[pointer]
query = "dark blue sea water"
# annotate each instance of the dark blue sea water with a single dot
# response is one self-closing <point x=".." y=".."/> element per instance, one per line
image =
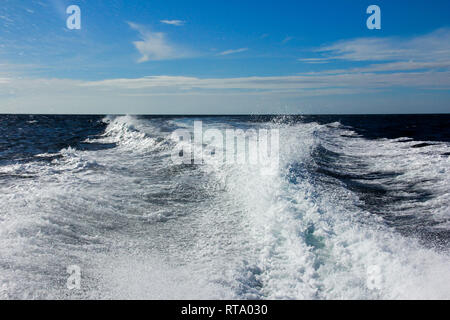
<point x="348" y="194"/>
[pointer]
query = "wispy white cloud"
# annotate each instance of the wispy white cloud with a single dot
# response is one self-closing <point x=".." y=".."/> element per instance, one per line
<point x="177" y="23"/>
<point x="314" y="60"/>
<point x="427" y="52"/>
<point x="155" y="46"/>
<point x="434" y="46"/>
<point x="391" y="67"/>
<point x="356" y="82"/>
<point x="177" y="94"/>
<point x="232" y="51"/>
<point x="287" y="39"/>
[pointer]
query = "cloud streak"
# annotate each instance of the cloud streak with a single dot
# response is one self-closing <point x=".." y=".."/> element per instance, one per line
<point x="177" y="23"/>
<point x="351" y="82"/>
<point x="314" y="60"/>
<point x="232" y="51"/>
<point x="187" y="95"/>
<point x="287" y="39"/>
<point x="434" y="46"/>
<point x="426" y="53"/>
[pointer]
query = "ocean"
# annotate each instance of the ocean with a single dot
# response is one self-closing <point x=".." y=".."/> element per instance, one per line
<point x="356" y="208"/>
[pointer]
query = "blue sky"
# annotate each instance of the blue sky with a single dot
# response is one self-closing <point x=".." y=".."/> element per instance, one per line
<point x="224" y="57"/>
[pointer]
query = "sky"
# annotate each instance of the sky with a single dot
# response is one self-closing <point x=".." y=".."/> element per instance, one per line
<point x="224" y="57"/>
